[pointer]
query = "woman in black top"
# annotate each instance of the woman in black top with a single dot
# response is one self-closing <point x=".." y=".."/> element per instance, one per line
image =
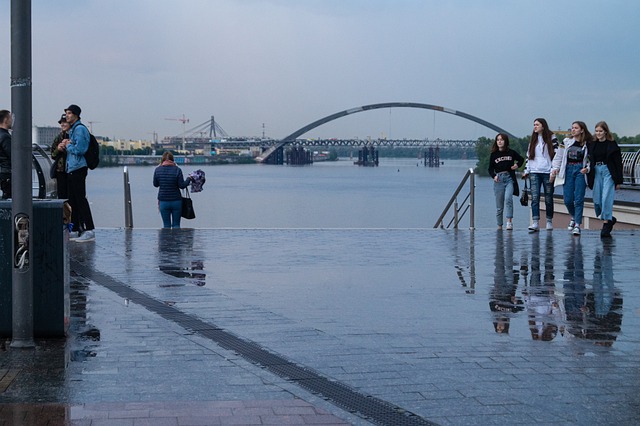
<point x="605" y="175"/>
<point x="503" y="164"/>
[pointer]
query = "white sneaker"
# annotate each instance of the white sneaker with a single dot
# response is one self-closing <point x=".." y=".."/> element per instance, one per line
<point x="86" y="236"/>
<point x="534" y="226"/>
<point x="549" y="225"/>
<point x="509" y="226"/>
<point x="572" y="224"/>
<point x="576" y="230"/>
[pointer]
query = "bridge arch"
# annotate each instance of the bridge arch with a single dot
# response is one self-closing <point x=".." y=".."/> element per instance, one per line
<point x="293" y="136"/>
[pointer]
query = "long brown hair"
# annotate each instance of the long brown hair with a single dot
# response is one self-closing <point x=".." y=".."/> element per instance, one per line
<point x="607" y="133"/>
<point x="505" y="138"/>
<point x="168" y="155"/>
<point x="546" y="137"/>
<point x="586" y="136"/>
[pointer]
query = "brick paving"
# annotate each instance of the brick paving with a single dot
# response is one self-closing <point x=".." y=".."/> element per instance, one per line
<point x="398" y="316"/>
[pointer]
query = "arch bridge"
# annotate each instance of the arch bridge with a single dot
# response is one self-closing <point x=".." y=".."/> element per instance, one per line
<point x="266" y="156"/>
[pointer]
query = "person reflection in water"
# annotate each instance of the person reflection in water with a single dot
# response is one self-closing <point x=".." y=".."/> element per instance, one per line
<point x="503" y="300"/>
<point x="176" y="258"/>
<point x="601" y="317"/>
<point x="574" y="284"/>
<point x="544" y="310"/>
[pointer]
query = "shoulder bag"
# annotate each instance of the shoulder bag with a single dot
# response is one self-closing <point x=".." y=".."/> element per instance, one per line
<point x="524" y="197"/>
<point x="187" y="207"/>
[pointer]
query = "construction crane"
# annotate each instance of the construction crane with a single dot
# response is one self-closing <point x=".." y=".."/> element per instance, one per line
<point x="184" y="120"/>
<point x="91" y="125"/>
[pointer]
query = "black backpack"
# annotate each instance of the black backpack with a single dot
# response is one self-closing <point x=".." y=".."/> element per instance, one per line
<point x="92" y="156"/>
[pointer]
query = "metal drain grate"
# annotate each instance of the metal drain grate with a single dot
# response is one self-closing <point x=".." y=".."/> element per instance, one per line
<point x="373" y="409"/>
<point x="6" y="378"/>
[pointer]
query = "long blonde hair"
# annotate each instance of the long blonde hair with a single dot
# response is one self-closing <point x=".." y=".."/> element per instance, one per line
<point x="607" y="133"/>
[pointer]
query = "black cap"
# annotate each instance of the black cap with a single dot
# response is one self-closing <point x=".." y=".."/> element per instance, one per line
<point x="63" y="119"/>
<point x="75" y="109"/>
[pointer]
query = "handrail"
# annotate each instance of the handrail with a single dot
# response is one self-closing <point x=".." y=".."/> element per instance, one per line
<point x="470" y="175"/>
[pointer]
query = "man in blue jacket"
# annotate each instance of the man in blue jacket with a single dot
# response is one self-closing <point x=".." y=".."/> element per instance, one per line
<point x="76" y="146"/>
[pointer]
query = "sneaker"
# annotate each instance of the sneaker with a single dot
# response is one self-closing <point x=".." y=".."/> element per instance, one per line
<point x="509" y="226"/>
<point x="576" y="230"/>
<point x="534" y="226"/>
<point x="86" y="236"/>
<point x="549" y="225"/>
<point x="613" y="221"/>
<point x="572" y="224"/>
<point x="73" y="235"/>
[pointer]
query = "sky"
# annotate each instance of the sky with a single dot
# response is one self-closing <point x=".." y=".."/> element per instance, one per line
<point x="270" y="67"/>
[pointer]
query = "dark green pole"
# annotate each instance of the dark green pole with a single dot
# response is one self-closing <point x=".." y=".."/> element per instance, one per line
<point x="21" y="150"/>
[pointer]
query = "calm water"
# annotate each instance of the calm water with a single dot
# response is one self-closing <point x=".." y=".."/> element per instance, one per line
<point x="397" y="194"/>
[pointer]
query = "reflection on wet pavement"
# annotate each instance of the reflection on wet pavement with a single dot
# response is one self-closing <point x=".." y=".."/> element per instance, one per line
<point x="176" y="257"/>
<point x="400" y="315"/>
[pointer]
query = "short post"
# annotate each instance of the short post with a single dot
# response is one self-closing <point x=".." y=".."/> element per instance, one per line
<point x="128" y="208"/>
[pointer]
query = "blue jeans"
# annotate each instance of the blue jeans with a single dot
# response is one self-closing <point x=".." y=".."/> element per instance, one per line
<point x="503" y="190"/>
<point x="538" y="180"/>
<point x="575" y="184"/>
<point x="170" y="212"/>
<point x="603" y="191"/>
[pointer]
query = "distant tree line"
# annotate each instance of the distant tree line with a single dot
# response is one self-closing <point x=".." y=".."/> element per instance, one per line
<point x="454" y="153"/>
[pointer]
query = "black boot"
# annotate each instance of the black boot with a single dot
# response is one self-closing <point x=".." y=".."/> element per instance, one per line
<point x="606" y="229"/>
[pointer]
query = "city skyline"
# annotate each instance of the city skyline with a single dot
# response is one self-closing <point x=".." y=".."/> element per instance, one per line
<point x="273" y="66"/>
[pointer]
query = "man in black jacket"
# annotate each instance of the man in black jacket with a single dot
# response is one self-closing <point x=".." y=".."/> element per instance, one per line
<point x="6" y="121"/>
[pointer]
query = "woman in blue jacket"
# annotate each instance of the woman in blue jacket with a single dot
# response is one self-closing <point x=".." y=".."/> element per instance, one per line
<point x="168" y="178"/>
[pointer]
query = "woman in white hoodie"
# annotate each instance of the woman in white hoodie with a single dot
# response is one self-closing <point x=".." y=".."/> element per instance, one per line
<point x="542" y="148"/>
<point x="570" y="168"/>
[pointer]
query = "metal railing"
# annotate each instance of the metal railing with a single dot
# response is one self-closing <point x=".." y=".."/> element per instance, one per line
<point x="42" y="184"/>
<point x="459" y="210"/>
<point x="631" y="165"/>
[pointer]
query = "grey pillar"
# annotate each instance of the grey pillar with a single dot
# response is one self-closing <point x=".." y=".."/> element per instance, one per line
<point x="21" y="150"/>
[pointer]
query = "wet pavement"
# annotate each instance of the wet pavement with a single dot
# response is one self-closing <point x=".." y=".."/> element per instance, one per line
<point x="357" y="326"/>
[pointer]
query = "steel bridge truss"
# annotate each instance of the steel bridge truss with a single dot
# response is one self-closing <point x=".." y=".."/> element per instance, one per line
<point x="390" y="143"/>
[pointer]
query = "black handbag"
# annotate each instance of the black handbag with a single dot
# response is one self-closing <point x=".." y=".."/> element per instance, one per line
<point x="524" y="197"/>
<point x="187" y="207"/>
<point x="54" y="168"/>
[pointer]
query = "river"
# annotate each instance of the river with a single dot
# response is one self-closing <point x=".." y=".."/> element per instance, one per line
<point x="397" y="194"/>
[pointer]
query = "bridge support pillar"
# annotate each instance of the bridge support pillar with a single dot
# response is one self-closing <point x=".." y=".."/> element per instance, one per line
<point x="367" y="156"/>
<point x="432" y="157"/>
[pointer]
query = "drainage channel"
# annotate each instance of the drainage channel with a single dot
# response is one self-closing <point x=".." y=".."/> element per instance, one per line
<point x="371" y="408"/>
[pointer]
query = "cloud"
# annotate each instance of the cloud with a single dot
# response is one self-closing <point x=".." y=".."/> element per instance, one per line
<point x="287" y="63"/>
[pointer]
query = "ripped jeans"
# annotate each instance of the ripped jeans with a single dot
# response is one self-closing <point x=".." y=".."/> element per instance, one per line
<point x="539" y="181"/>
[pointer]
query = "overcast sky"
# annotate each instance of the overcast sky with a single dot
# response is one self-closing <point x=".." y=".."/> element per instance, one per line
<point x="132" y="64"/>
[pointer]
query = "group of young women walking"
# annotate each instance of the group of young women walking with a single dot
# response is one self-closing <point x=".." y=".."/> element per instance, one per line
<point x="579" y="161"/>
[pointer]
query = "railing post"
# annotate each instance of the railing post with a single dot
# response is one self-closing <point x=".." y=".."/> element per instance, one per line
<point x="455" y="214"/>
<point x="472" y="200"/>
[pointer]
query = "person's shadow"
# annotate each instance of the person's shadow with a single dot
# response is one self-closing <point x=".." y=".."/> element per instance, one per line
<point x="176" y="257"/>
<point x="503" y="301"/>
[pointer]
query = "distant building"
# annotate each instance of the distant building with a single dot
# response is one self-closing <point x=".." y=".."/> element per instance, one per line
<point x="44" y="135"/>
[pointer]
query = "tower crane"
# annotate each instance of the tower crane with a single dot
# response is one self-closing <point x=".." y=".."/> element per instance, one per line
<point x="91" y="125"/>
<point x="184" y="120"/>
